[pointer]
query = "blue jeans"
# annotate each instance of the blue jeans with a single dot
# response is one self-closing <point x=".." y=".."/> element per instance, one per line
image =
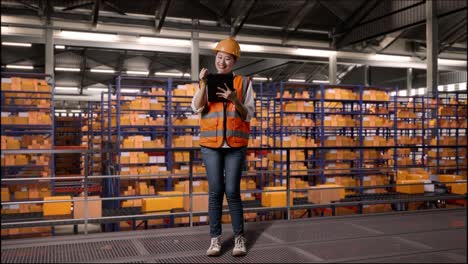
<point x="224" y="169"/>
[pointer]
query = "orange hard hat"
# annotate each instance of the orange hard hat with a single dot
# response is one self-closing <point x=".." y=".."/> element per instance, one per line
<point x="230" y="46"/>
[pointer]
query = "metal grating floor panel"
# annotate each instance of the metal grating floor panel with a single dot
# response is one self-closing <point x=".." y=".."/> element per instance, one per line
<point x="356" y="248"/>
<point x="411" y="224"/>
<point x="70" y="252"/>
<point x="445" y="239"/>
<point x="265" y="255"/>
<point x="421" y="236"/>
<point x="318" y="232"/>
<point x="436" y="257"/>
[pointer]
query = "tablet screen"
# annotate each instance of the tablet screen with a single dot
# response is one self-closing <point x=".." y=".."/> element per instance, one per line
<point x="218" y="80"/>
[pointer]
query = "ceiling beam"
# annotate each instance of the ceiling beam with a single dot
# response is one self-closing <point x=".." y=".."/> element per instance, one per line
<point x="83" y="69"/>
<point x="219" y="16"/>
<point x="160" y="15"/>
<point x="226" y="10"/>
<point x="403" y="16"/>
<point x="48" y="10"/>
<point x="68" y="8"/>
<point x="298" y="68"/>
<point x="239" y="22"/>
<point x="294" y="24"/>
<point x="260" y="66"/>
<point x="29" y="6"/>
<point x="120" y="63"/>
<point x="345" y="28"/>
<point x="458" y="37"/>
<point x="114" y="7"/>
<point x="317" y="69"/>
<point x="278" y="74"/>
<point x="95" y="14"/>
<point x="337" y="13"/>
<point x="389" y="39"/>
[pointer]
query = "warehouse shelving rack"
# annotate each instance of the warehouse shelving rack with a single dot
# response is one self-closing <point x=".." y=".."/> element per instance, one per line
<point x="282" y="131"/>
<point x="260" y="134"/>
<point x="68" y="133"/>
<point x="111" y="107"/>
<point x="17" y="102"/>
<point x="7" y="97"/>
<point x="414" y="106"/>
<point x="454" y="102"/>
<point x="91" y="137"/>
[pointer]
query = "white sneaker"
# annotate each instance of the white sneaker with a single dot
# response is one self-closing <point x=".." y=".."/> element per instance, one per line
<point x="215" y="247"/>
<point x="239" y="246"/>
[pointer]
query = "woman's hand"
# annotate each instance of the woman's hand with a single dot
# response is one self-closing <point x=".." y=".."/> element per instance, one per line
<point x="203" y="74"/>
<point x="227" y="94"/>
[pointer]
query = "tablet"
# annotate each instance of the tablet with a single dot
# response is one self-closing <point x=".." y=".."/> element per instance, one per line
<point x="218" y="80"/>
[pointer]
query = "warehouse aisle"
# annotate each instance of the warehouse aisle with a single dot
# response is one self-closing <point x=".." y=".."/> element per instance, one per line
<point x="436" y="236"/>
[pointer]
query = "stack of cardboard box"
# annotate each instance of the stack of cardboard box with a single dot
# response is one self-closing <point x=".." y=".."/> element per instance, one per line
<point x="338" y="94"/>
<point x="375" y="95"/>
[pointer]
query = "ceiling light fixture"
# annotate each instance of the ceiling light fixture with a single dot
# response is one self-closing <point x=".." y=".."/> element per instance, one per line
<point x="137" y="72"/>
<point x="88" y="36"/>
<point x="16" y="44"/>
<point x="67" y="69"/>
<point x="165" y="41"/>
<point x="296" y="80"/>
<point x="24" y="67"/>
<point x="320" y="81"/>
<point x="65" y="88"/>
<point x="102" y="71"/>
<point x="314" y="52"/>
<point x="174" y="74"/>
<point x="385" y="57"/>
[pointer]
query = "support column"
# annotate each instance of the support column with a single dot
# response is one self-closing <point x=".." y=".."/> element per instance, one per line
<point x="49" y="51"/>
<point x="409" y="80"/>
<point x="195" y="55"/>
<point x="332" y="69"/>
<point x="432" y="46"/>
<point x="367" y="75"/>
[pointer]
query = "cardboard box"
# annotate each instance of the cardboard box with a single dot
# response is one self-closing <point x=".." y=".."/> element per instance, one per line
<point x="458" y="188"/>
<point x="275" y="199"/>
<point x="319" y="195"/>
<point x="410" y="189"/>
<point x="176" y="201"/>
<point x="199" y="202"/>
<point x="21" y="195"/>
<point x="58" y="208"/>
<point x="94" y="207"/>
<point x="5" y="194"/>
<point x="449" y="178"/>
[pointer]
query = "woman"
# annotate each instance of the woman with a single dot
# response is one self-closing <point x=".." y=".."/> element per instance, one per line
<point x="224" y="135"/>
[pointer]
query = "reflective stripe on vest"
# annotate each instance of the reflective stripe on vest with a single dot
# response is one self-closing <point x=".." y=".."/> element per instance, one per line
<point x="220" y="115"/>
<point x="229" y="133"/>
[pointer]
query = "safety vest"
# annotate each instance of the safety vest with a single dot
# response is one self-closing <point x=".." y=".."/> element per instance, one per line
<point x="222" y="121"/>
